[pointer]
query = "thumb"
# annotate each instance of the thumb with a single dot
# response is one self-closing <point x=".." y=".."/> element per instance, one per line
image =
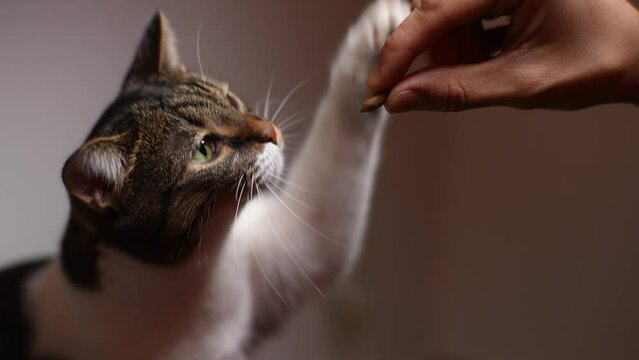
<point x="458" y="88"/>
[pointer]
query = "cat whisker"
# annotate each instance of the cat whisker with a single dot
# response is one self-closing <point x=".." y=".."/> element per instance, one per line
<point x="294" y="116"/>
<point x="292" y="122"/>
<point x="295" y="185"/>
<point x="252" y="188"/>
<point x="237" y="211"/>
<point x="302" y="221"/>
<point x="292" y="140"/>
<point x="267" y="102"/>
<point x="238" y="187"/>
<point x="197" y="47"/>
<point x="286" y="250"/>
<point x="291" y="137"/>
<point x="266" y="277"/>
<point x="290" y="196"/>
<point x="256" y="108"/>
<point x="288" y="97"/>
<point x="258" y="262"/>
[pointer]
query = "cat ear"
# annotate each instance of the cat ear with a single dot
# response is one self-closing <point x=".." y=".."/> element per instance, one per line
<point x="94" y="174"/>
<point x="156" y="53"/>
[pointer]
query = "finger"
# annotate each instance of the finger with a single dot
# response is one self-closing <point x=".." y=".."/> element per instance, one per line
<point x="461" y="46"/>
<point x="458" y="88"/>
<point x="502" y="8"/>
<point x="430" y="21"/>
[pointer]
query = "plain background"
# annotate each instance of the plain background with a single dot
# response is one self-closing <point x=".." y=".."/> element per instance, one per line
<point x="495" y="234"/>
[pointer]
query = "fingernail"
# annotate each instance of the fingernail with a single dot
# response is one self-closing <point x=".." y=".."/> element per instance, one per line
<point x="404" y="101"/>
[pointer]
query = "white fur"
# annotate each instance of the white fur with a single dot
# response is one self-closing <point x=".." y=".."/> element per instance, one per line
<point x="283" y="248"/>
<point x="102" y="163"/>
<point x="270" y="163"/>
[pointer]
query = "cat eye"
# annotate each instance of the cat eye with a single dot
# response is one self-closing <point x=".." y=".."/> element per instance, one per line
<point x="205" y="151"/>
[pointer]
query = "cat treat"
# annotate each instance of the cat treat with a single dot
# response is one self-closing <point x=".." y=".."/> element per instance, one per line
<point x="374" y="102"/>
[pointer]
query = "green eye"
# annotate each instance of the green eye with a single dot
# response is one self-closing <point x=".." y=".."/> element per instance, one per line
<point x="204" y="152"/>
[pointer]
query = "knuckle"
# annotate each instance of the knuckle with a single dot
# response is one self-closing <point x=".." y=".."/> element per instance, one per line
<point x="457" y="96"/>
<point x="399" y="42"/>
<point x="393" y="42"/>
<point x="396" y="42"/>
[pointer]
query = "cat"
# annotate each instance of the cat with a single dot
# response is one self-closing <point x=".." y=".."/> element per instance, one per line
<point x="186" y="240"/>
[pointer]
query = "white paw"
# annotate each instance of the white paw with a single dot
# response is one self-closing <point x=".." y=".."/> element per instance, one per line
<point x="364" y="41"/>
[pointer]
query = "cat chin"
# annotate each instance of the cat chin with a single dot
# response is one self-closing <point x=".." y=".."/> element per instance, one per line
<point x="269" y="165"/>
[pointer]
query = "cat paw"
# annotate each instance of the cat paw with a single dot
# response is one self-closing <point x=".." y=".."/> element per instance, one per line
<point x="360" y="50"/>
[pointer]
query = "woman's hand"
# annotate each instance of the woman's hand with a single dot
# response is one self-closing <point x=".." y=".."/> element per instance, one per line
<point x="561" y="54"/>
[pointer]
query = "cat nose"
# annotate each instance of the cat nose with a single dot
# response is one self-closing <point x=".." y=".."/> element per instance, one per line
<point x="265" y="131"/>
<point x="275" y="135"/>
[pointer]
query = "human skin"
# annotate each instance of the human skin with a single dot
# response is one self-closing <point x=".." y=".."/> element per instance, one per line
<point x="557" y="54"/>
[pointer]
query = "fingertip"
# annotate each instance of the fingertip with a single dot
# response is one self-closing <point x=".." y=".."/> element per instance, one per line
<point x="372" y="83"/>
<point x="404" y="100"/>
<point x="392" y="110"/>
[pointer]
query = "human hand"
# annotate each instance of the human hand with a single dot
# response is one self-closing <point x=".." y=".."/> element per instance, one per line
<point x="561" y="54"/>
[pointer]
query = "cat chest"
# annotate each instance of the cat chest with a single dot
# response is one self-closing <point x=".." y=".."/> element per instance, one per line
<point x="78" y="326"/>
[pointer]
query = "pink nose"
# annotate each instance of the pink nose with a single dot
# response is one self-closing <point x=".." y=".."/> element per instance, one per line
<point x="275" y="135"/>
<point x="265" y="131"/>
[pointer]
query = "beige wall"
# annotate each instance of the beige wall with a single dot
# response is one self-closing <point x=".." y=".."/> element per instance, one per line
<point x="495" y="234"/>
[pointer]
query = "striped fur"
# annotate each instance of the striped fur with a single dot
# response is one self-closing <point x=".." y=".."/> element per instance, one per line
<point x="151" y="199"/>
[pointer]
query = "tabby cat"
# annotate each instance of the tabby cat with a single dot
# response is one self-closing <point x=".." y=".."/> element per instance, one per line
<point x="155" y="262"/>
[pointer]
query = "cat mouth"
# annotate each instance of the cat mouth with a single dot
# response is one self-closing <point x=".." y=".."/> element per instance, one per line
<point x="268" y="166"/>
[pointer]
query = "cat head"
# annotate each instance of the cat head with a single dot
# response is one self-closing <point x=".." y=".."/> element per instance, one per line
<point x="163" y="162"/>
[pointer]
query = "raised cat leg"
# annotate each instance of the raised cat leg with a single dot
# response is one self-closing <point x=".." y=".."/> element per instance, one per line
<point x="306" y="231"/>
